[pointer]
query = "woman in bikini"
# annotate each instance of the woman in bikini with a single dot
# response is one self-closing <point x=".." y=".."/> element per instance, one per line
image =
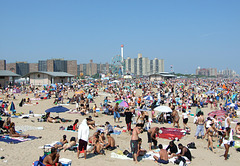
<point x="210" y="132"/>
<point x="13" y="133"/>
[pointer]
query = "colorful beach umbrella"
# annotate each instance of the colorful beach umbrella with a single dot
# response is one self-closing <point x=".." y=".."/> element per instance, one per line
<point x="218" y="113"/>
<point x="122" y="103"/>
<point x="79" y="92"/>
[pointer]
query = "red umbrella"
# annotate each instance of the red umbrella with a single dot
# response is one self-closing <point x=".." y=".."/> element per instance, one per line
<point x="219" y="113"/>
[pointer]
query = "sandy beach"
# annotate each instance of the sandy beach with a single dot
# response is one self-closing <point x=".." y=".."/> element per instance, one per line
<point x="25" y="153"/>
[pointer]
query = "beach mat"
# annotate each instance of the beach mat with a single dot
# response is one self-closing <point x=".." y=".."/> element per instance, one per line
<point x="171" y="133"/>
<point x="15" y="140"/>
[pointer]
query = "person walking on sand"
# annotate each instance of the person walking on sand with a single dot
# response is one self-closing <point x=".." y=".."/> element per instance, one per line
<point x="134" y="141"/>
<point x="83" y="134"/>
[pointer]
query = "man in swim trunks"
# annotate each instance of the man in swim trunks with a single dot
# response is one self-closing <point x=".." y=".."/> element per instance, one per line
<point x="163" y="155"/>
<point x="151" y="133"/>
<point x="52" y="158"/>
<point x="134" y="141"/>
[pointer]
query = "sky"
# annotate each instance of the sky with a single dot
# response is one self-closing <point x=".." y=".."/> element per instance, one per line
<point x="185" y="33"/>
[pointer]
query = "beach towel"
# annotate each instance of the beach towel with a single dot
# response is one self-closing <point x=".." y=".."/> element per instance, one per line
<point x="15" y="140"/>
<point x="171" y="133"/>
<point x="74" y="131"/>
<point x="27" y="128"/>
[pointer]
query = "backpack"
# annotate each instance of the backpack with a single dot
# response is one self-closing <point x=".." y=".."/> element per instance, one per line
<point x="191" y="145"/>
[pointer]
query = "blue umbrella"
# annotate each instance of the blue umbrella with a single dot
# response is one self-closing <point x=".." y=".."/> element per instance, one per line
<point x="209" y="92"/>
<point x="57" y="109"/>
<point x="148" y="98"/>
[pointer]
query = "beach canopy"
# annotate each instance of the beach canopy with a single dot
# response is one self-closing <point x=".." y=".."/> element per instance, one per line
<point x="57" y="109"/>
<point x="163" y="109"/>
<point x="122" y="103"/>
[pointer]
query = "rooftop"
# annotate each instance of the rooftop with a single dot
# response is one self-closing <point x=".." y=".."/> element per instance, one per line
<point x="7" y="73"/>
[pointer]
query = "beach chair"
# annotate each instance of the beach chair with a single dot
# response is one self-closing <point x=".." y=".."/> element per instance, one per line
<point x="40" y="161"/>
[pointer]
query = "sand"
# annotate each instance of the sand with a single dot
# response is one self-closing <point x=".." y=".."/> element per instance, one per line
<point x="23" y="154"/>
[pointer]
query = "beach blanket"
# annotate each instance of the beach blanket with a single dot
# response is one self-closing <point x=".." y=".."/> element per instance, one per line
<point x="27" y="128"/>
<point x="70" y="130"/>
<point x="171" y="133"/>
<point x="115" y="132"/>
<point x="15" y="140"/>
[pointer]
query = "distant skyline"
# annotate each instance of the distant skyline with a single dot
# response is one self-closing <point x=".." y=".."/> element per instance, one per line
<point x="186" y="34"/>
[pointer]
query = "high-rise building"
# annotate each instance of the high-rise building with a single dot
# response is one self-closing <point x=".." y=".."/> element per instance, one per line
<point x="22" y="68"/>
<point x="12" y="67"/>
<point x="143" y="66"/>
<point x="72" y="67"/>
<point x="33" y="67"/>
<point x="42" y="65"/>
<point x="2" y="64"/>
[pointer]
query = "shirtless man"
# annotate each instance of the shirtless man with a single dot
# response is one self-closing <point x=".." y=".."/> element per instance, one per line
<point x="175" y="117"/>
<point x="134" y="141"/>
<point x="111" y="143"/>
<point x="52" y="158"/>
<point x="102" y="138"/>
<point x="116" y="113"/>
<point x="151" y="133"/>
<point x="200" y="125"/>
<point x="163" y="155"/>
<point x="98" y="148"/>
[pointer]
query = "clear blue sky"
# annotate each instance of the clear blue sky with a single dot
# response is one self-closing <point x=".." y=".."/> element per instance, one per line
<point x="185" y="33"/>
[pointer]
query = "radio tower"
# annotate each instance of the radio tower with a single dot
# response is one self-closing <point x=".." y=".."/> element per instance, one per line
<point x="122" y="58"/>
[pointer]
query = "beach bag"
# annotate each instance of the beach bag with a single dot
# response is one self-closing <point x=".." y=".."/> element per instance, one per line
<point x="126" y="152"/>
<point x="70" y="127"/>
<point x="191" y="145"/>
<point x="238" y="149"/>
<point x="180" y="159"/>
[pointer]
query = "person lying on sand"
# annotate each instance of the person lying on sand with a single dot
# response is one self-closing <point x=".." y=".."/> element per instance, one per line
<point x="71" y="143"/>
<point x="63" y="141"/>
<point x="13" y="133"/>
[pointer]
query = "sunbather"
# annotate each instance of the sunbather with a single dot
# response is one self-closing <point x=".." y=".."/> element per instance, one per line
<point x="13" y="133"/>
<point x="59" y="145"/>
<point x="71" y="143"/>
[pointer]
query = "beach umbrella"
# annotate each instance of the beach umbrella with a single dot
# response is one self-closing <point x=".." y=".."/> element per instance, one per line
<point x="148" y="98"/>
<point x="218" y="113"/>
<point x="79" y="92"/>
<point x="91" y="84"/>
<point x="116" y="81"/>
<point x="210" y="92"/>
<point x="163" y="109"/>
<point x="11" y="107"/>
<point x="122" y="103"/>
<point x="233" y="105"/>
<point x="143" y="109"/>
<point x="57" y="109"/>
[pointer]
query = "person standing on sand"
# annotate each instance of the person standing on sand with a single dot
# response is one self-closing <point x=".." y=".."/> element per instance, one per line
<point x="116" y="112"/>
<point x="200" y="125"/>
<point x="151" y="134"/>
<point x="83" y="134"/>
<point x="175" y="117"/>
<point x="128" y="118"/>
<point x="134" y="141"/>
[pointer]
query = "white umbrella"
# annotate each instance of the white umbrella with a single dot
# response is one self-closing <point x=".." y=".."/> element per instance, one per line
<point x="116" y="81"/>
<point x="163" y="109"/>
